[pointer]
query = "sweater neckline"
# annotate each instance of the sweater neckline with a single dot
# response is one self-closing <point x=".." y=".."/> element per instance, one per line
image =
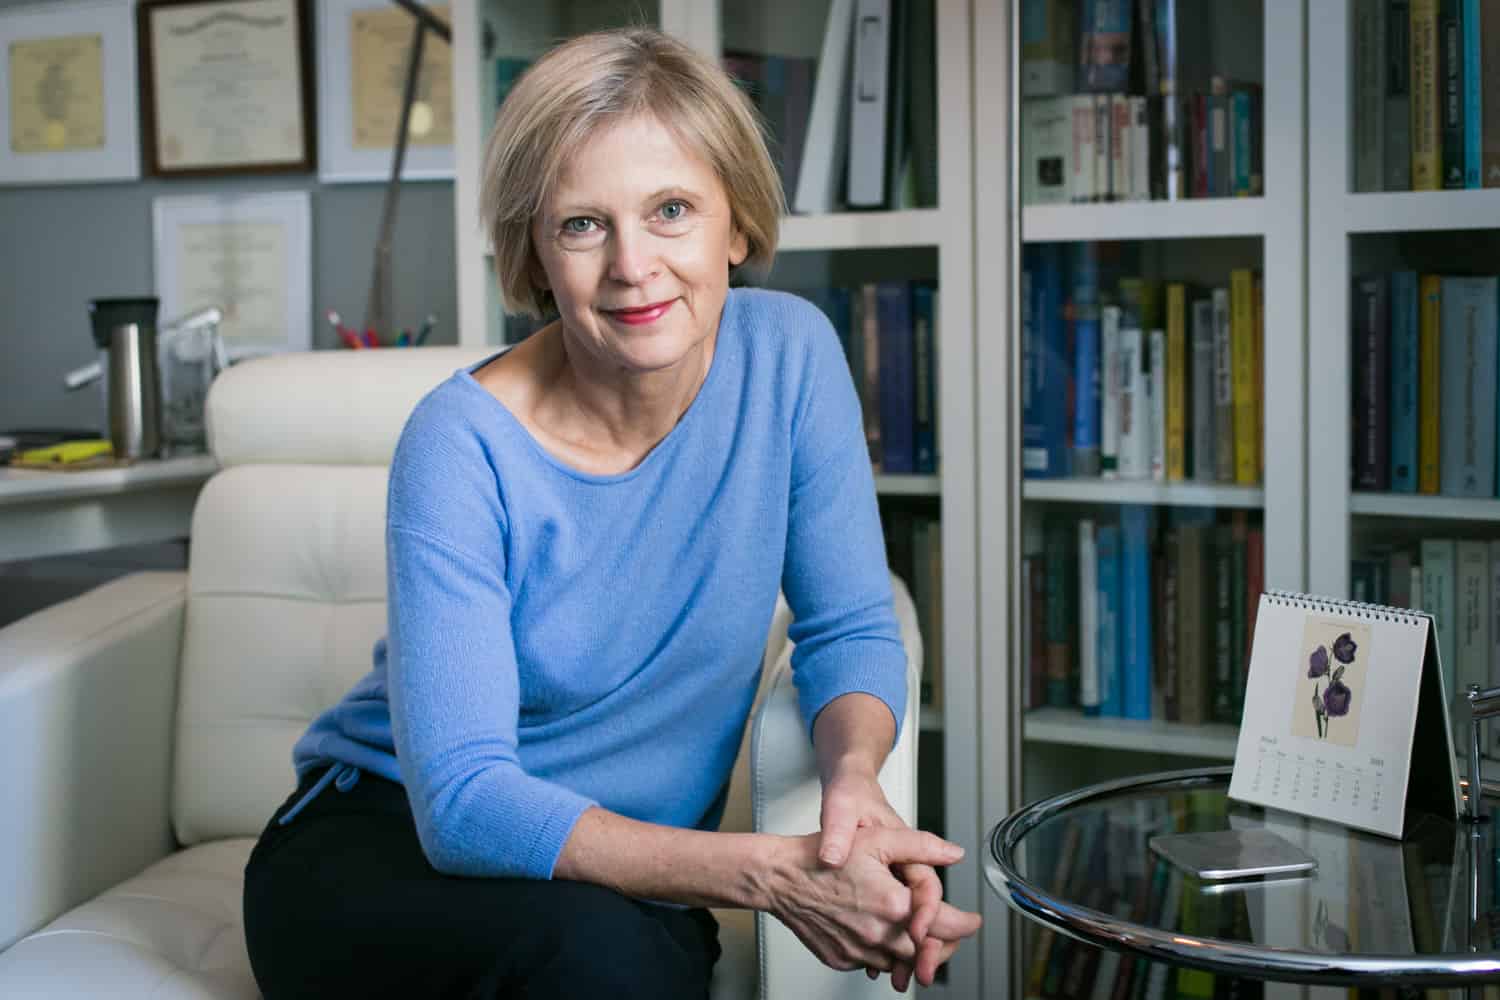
<point x="680" y="429"/>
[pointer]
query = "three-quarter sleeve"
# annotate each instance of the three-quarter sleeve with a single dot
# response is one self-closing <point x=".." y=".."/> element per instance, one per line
<point x="453" y="675"/>
<point x="836" y="579"/>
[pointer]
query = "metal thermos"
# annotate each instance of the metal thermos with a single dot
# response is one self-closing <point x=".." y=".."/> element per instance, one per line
<point x="126" y="329"/>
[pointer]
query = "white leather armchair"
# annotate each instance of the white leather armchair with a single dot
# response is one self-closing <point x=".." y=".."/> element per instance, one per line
<point x="146" y="727"/>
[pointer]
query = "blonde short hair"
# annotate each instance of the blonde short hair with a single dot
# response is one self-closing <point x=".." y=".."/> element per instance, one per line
<point x="597" y="79"/>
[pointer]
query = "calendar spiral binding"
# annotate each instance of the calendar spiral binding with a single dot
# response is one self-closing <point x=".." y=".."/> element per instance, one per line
<point x="1354" y="609"/>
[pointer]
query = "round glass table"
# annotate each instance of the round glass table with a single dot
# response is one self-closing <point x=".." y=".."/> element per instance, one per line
<point x="1376" y="912"/>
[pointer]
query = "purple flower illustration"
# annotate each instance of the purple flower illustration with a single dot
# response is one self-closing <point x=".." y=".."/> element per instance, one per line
<point x="1317" y="664"/>
<point x="1336" y="699"/>
<point x="1344" y="648"/>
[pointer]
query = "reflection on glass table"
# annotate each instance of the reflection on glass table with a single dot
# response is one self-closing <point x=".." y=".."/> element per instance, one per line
<point x="1418" y="912"/>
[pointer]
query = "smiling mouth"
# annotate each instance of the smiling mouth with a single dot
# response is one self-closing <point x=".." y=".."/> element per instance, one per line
<point x="641" y="314"/>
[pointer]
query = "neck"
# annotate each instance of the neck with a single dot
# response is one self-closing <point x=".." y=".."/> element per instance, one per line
<point x="607" y="408"/>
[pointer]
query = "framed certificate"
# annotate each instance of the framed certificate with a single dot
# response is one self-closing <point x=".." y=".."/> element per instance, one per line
<point x="363" y="47"/>
<point x="250" y="255"/>
<point x="67" y="109"/>
<point x="226" y="87"/>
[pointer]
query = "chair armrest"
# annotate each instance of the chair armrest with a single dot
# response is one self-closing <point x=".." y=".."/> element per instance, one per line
<point x="88" y="689"/>
<point x="787" y="799"/>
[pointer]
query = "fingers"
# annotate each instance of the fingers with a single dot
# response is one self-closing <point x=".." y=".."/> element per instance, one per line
<point x="953" y="924"/>
<point x="901" y="976"/>
<point x="906" y="846"/>
<point x="838" y="821"/>
<point x="933" y="953"/>
<point x="926" y="897"/>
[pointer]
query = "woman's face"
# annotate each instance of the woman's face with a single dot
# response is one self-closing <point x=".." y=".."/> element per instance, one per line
<point x="635" y="244"/>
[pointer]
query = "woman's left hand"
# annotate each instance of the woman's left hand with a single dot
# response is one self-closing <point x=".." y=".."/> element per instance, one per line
<point x="853" y="799"/>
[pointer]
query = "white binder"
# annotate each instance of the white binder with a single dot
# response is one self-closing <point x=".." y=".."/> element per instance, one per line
<point x="823" y="152"/>
<point x="869" y="93"/>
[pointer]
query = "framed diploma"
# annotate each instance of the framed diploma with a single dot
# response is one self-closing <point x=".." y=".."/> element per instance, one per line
<point x="363" y="47"/>
<point x="226" y="87"/>
<point x="250" y="255"/>
<point x="67" y="109"/>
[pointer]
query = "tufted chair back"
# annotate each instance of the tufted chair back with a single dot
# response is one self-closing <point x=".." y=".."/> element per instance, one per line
<point x="286" y="591"/>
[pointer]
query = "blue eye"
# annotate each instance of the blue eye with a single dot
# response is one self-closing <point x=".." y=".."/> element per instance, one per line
<point x="673" y="211"/>
<point x="578" y="225"/>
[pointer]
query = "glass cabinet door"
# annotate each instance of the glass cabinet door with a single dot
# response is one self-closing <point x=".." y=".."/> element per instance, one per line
<point x="1160" y="397"/>
<point x="1405" y="293"/>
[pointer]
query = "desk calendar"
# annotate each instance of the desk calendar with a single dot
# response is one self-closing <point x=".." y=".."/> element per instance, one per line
<point x="1345" y="715"/>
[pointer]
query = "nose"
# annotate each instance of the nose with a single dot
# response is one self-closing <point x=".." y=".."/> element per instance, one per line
<point x="633" y="257"/>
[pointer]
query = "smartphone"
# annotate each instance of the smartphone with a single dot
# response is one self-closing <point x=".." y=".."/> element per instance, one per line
<point x="1234" y="854"/>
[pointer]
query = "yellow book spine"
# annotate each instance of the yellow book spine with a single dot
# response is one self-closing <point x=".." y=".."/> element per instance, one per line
<point x="1426" y="137"/>
<point x="1260" y="378"/>
<point x="1176" y="383"/>
<point x="1242" y="358"/>
<point x="1430" y="383"/>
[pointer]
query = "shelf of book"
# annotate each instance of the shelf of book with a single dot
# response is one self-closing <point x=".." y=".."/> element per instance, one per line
<point x="1143" y="491"/>
<point x="1193" y="218"/>
<point x="1425" y="506"/>
<point x="908" y="486"/>
<point x="862" y="230"/>
<point x="1069" y="726"/>
<point x="1371" y="242"/>
<point x="1418" y="211"/>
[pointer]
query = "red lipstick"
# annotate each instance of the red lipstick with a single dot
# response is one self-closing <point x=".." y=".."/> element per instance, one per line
<point x="642" y="315"/>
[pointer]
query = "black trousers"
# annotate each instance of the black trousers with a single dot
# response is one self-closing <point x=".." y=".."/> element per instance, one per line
<point x="341" y="902"/>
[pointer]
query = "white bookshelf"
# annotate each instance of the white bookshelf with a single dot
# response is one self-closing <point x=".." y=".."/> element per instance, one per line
<point x="1141" y="491"/>
<point x="1049" y="749"/>
<point x="1341" y="222"/>
<point x="863" y="230"/>
<point x="908" y="486"/>
<point x="1424" y="507"/>
<point x="1072" y="728"/>
<point x="1194" y="218"/>
<point x="792" y="27"/>
<point x="1419" y="211"/>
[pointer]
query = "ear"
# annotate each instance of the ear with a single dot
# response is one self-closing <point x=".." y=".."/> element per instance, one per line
<point x="739" y="247"/>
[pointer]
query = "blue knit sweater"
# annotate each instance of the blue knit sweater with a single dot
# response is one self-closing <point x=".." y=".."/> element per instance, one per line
<point x="558" y="639"/>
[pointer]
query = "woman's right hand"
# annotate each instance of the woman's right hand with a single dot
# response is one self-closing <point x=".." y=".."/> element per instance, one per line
<point x="858" y="916"/>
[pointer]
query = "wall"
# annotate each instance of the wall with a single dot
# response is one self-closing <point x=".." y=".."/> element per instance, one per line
<point x="63" y="245"/>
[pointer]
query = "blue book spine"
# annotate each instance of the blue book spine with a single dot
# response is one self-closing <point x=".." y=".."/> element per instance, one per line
<point x="924" y="346"/>
<point x="1106" y="45"/>
<point x="1473" y="99"/>
<point x="1033" y="429"/>
<point x="898" y="454"/>
<point x="1466" y="418"/>
<point x="1135" y="613"/>
<point x="1107" y="546"/>
<point x="1239" y="104"/>
<point x="1405" y="365"/>
<point x="1056" y="364"/>
<point x="1044" y="360"/>
<point x="1085" y="361"/>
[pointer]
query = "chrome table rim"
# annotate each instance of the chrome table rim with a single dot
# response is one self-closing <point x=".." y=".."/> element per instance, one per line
<point x="1212" y="954"/>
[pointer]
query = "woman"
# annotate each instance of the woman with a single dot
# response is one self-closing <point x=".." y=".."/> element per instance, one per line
<point x="585" y="539"/>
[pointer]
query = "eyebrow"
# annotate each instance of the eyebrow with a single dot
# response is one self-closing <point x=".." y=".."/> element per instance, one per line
<point x="567" y="209"/>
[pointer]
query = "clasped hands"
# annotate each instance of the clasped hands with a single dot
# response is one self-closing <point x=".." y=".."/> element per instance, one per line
<point x="868" y="894"/>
